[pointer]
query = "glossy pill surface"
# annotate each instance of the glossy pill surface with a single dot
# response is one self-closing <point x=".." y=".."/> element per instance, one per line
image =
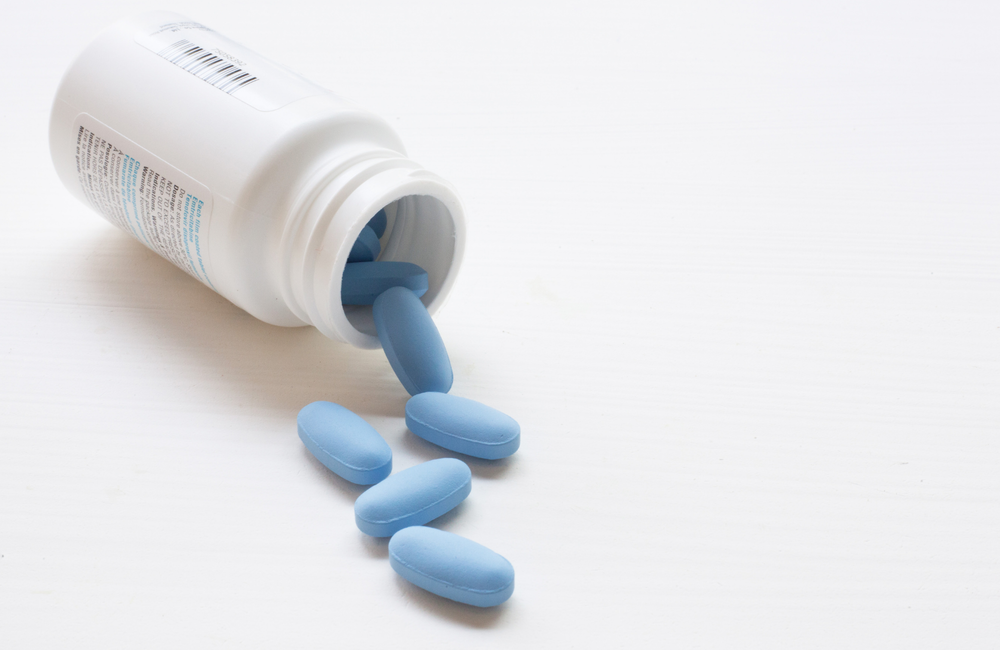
<point x="411" y="342"/>
<point x="463" y="425"/>
<point x="451" y="566"/>
<point x="345" y="443"/>
<point x="366" y="247"/>
<point x="363" y="282"/>
<point x="413" y="497"/>
<point x="378" y="223"/>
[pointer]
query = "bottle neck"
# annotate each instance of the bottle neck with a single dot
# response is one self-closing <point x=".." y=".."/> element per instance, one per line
<point x="426" y="227"/>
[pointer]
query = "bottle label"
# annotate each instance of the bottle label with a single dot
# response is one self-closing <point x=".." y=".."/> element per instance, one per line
<point x="148" y="198"/>
<point x="226" y="65"/>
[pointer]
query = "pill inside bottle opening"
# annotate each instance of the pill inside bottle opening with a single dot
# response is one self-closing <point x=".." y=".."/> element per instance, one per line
<point x="418" y="230"/>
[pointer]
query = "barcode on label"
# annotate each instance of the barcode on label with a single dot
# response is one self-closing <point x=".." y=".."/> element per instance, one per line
<point x="207" y="66"/>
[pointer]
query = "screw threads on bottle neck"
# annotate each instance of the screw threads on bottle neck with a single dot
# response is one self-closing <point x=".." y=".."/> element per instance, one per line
<point x="426" y="227"/>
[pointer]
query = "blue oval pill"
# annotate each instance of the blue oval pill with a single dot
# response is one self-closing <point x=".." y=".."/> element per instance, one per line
<point x="366" y="247"/>
<point x="345" y="443"/>
<point x="364" y="281"/>
<point x="451" y="566"/>
<point x="411" y="342"/>
<point x="463" y="425"/>
<point x="378" y="223"/>
<point x="413" y="497"/>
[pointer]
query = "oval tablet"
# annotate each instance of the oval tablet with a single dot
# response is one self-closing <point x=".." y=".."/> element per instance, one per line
<point x="364" y="281"/>
<point x="366" y="247"/>
<point x="463" y="425"/>
<point x="413" y="497"/>
<point x="345" y="443"/>
<point x="451" y="566"/>
<point x="411" y="342"/>
<point x="379" y="222"/>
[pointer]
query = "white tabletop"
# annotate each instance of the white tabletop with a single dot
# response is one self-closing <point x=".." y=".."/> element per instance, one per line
<point x="736" y="271"/>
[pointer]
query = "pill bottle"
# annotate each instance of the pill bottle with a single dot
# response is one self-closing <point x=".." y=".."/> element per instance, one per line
<point x="248" y="177"/>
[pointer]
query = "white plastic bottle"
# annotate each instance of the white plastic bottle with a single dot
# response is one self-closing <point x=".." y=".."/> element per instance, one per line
<point x="243" y="174"/>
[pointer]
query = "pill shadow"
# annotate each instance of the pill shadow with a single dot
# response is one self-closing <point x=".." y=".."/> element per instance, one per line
<point x="468" y="615"/>
<point x="349" y="491"/>
<point x="481" y="468"/>
<point x="445" y="520"/>
<point x="378" y="547"/>
<point x="264" y="366"/>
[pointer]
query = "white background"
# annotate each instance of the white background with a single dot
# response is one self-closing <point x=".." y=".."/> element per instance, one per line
<point x="735" y="269"/>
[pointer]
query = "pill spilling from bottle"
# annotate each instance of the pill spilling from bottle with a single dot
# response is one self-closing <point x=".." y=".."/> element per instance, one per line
<point x="451" y="566"/>
<point x="412" y="342"/>
<point x="399" y="506"/>
<point x="463" y="425"/>
<point x="344" y="443"/>
<point x="413" y="497"/>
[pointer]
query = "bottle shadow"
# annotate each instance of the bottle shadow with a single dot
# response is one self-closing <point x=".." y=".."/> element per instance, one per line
<point x="264" y="366"/>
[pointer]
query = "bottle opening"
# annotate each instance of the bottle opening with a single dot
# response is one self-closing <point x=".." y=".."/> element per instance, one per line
<point x="420" y="230"/>
<point x="425" y="226"/>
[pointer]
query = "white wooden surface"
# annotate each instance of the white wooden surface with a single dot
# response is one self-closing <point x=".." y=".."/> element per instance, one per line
<point x="736" y="271"/>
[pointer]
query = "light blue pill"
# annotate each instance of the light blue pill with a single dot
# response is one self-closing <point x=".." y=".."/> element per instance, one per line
<point x="463" y="425"/>
<point x="451" y="566"/>
<point x="366" y="247"/>
<point x="364" y="281"/>
<point x="411" y="342"/>
<point x="345" y="443"/>
<point x="413" y="497"/>
<point x="378" y="223"/>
